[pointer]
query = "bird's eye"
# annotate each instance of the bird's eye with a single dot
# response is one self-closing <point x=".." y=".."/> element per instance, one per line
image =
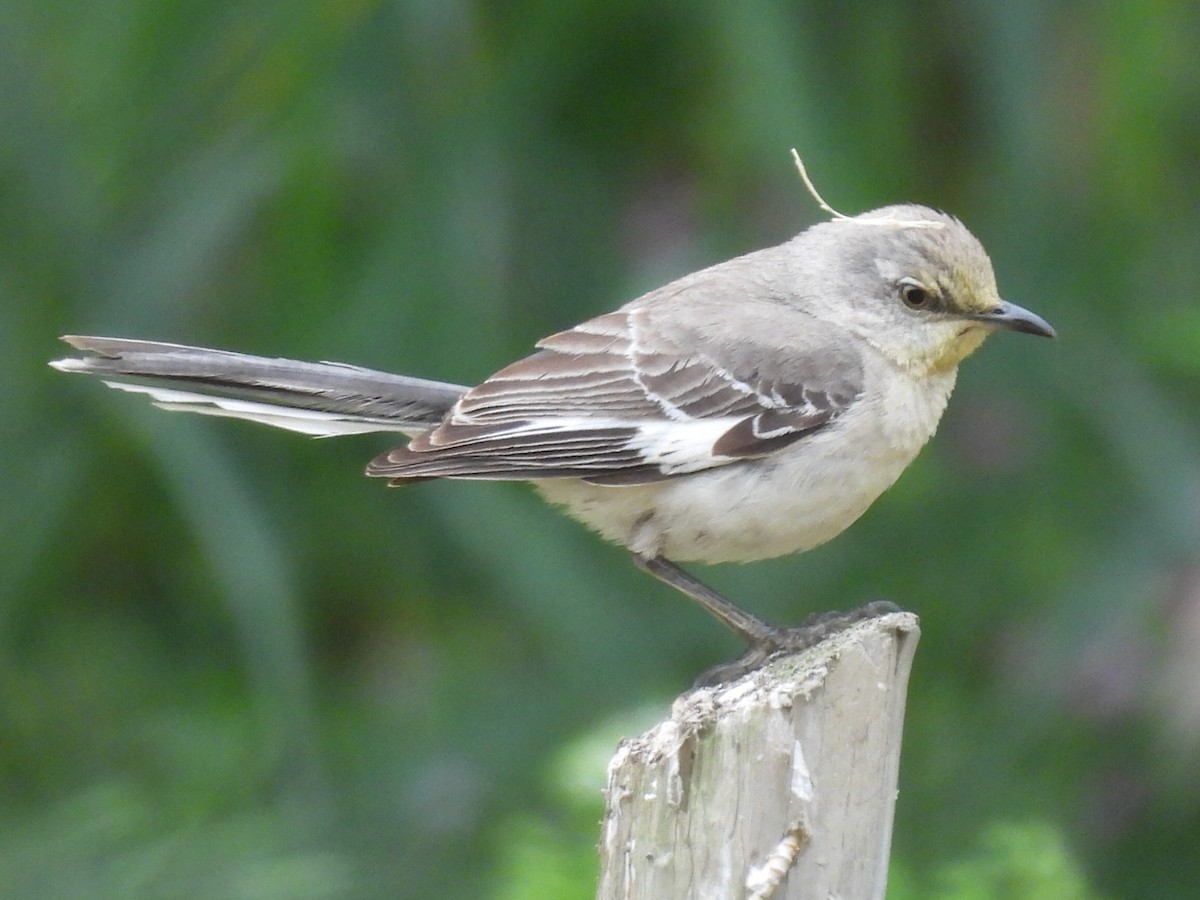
<point x="915" y="296"/>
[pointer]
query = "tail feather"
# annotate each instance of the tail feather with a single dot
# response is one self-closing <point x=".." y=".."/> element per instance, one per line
<point x="321" y="399"/>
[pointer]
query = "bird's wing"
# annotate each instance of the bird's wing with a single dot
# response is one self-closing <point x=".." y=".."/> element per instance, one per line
<point x="634" y="396"/>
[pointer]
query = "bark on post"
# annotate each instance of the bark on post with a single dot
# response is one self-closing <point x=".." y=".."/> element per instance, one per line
<point x="779" y="785"/>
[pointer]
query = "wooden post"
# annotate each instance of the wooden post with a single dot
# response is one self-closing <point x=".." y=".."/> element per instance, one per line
<point x="778" y="785"/>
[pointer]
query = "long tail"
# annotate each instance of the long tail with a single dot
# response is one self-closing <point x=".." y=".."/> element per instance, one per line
<point x="321" y="399"/>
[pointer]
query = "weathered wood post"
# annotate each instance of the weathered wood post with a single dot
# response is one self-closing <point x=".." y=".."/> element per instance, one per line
<point x="779" y="785"/>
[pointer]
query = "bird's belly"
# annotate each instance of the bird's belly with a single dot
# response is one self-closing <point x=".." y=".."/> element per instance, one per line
<point x="788" y="502"/>
<point x="742" y="512"/>
<point x="745" y="514"/>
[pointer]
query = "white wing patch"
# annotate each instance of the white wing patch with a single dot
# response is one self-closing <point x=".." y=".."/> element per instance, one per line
<point x="678" y="447"/>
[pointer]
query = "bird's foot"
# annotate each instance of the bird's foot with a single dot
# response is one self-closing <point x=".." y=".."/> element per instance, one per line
<point x="793" y="639"/>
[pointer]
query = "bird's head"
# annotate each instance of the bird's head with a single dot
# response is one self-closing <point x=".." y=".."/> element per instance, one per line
<point x="916" y="284"/>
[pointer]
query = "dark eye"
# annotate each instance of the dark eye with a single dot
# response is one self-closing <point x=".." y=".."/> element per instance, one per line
<point x="915" y="296"/>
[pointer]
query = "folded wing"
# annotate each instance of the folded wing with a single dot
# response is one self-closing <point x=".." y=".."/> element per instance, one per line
<point x="620" y="399"/>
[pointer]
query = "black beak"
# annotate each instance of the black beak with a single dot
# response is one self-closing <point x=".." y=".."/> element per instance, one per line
<point x="1011" y="317"/>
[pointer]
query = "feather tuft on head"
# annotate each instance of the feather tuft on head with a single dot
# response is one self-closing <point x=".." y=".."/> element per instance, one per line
<point x="891" y="223"/>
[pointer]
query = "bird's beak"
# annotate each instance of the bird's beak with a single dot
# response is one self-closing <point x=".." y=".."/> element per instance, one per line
<point x="1011" y="317"/>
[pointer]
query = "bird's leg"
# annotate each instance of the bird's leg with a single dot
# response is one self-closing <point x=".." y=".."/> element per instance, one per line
<point x="763" y="640"/>
<point x="751" y="629"/>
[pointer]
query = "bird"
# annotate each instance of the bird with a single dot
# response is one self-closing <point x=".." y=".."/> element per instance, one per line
<point x="750" y="410"/>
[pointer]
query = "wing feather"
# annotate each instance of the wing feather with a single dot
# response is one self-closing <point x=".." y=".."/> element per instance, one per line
<point x="618" y="400"/>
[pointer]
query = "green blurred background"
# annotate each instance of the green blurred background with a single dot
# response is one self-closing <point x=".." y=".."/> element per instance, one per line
<point x="231" y="666"/>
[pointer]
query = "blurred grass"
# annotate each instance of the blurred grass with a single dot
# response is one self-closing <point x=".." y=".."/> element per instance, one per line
<point x="221" y="649"/>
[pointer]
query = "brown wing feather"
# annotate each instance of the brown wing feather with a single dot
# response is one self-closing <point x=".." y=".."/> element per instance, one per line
<point x="617" y="400"/>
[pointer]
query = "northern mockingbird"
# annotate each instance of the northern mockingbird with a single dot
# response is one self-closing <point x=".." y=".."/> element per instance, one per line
<point x="750" y="410"/>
